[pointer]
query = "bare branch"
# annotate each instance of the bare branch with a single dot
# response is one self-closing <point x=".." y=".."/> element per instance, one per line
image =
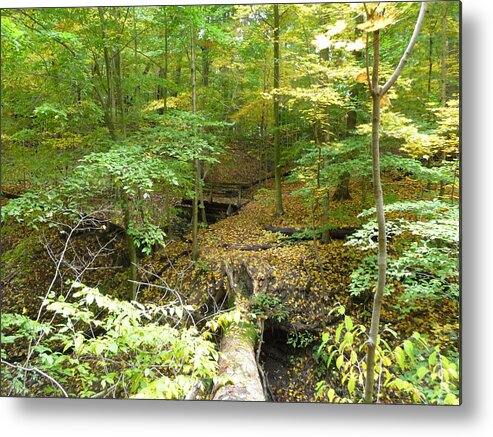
<point x="368" y="65"/>
<point x="34" y="369"/>
<point x="407" y="52"/>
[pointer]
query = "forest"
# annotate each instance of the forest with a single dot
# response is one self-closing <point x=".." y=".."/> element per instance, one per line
<point x="232" y="202"/>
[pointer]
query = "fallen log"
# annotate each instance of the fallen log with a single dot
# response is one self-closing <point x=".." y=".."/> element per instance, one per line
<point x="285" y="231"/>
<point x="238" y="366"/>
<point x="302" y="234"/>
<point x="239" y="378"/>
<point x="247" y="248"/>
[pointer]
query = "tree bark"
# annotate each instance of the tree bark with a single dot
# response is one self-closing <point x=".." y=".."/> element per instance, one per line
<point x="162" y="93"/>
<point x="238" y="360"/>
<point x="342" y="190"/>
<point x="324" y="56"/>
<point x="196" y="163"/>
<point x="237" y="363"/>
<point x="443" y="69"/>
<point x="203" y="213"/>
<point x="119" y="93"/>
<point x="377" y="93"/>
<point x="109" y="104"/>
<point x="443" y="79"/>
<point x="382" y="240"/>
<point x="132" y="251"/>
<point x="277" y="143"/>
<point x="177" y="75"/>
<point x="205" y="65"/>
<point x="165" y="72"/>
<point x="430" y="62"/>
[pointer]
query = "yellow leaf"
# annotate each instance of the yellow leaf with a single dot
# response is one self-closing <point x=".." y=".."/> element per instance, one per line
<point x="337" y="28"/>
<point x="354" y="46"/>
<point x="321" y="42"/>
<point x="376" y="23"/>
<point x="384" y="101"/>
<point x="361" y="78"/>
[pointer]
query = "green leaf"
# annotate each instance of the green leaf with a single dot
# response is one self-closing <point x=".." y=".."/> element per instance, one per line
<point x="351" y="385"/>
<point x="78" y="341"/>
<point x="421" y="372"/>
<point x="432" y="360"/>
<point x="113" y="347"/>
<point x="348" y="322"/>
<point x="99" y="348"/>
<point x="339" y="361"/>
<point x="400" y="357"/>
<point x="450" y="399"/>
<point x="408" y="348"/>
<point x="331" y="395"/>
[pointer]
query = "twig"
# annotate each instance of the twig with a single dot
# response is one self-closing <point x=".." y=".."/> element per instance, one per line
<point x="34" y="369"/>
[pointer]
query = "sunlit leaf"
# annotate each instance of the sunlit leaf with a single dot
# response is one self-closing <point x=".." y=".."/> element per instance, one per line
<point x="377" y="22"/>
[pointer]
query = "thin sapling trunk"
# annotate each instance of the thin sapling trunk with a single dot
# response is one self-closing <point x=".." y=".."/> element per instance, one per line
<point x="377" y="92"/>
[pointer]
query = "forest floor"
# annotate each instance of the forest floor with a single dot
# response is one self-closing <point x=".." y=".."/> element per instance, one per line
<point x="300" y="282"/>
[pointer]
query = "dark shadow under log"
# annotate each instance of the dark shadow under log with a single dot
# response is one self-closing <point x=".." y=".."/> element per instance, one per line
<point x="214" y="211"/>
<point x="11" y="196"/>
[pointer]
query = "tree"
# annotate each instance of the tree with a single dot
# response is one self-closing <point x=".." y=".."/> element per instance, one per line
<point x="277" y="144"/>
<point x="375" y="22"/>
<point x="196" y="162"/>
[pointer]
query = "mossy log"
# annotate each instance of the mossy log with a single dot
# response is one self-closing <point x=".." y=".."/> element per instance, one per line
<point x="238" y="365"/>
<point x="239" y="377"/>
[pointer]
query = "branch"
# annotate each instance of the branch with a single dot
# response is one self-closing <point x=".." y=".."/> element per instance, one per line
<point x="34" y="369"/>
<point x="58" y="40"/>
<point x="367" y="59"/>
<point x="407" y="52"/>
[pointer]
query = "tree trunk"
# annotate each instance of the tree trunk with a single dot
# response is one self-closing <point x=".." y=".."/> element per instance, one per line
<point x="377" y="93"/>
<point x="177" y="76"/>
<point x="203" y="214"/>
<point x="443" y="81"/>
<point x="238" y="363"/>
<point x="238" y="360"/>
<point x="324" y="56"/>
<point x="382" y="240"/>
<point x="443" y="69"/>
<point x="430" y="63"/>
<point x="119" y="93"/>
<point x="277" y="143"/>
<point x="196" y="163"/>
<point x="342" y="189"/>
<point x="205" y="65"/>
<point x="325" y="218"/>
<point x="132" y="251"/>
<point x="109" y="105"/>
<point x="163" y="72"/>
